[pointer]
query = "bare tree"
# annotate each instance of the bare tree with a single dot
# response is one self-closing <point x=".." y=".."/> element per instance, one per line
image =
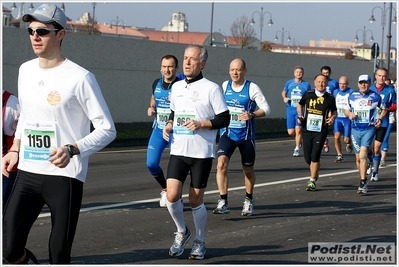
<point x="242" y="32"/>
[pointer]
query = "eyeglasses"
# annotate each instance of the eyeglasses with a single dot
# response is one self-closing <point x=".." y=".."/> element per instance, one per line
<point x="41" y="31"/>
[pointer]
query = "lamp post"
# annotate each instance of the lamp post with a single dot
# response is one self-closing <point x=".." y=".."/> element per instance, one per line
<point x="94" y="10"/>
<point x="211" y="42"/>
<point x="383" y="20"/>
<point x="282" y="37"/>
<point x="261" y="16"/>
<point x="364" y="31"/>
<point x="294" y="44"/>
<point x="117" y="24"/>
<point x="21" y="11"/>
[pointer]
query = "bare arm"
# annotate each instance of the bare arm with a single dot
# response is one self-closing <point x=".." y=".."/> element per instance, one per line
<point x="151" y="109"/>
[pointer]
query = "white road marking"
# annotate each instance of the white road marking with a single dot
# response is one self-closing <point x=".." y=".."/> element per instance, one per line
<point x="118" y="205"/>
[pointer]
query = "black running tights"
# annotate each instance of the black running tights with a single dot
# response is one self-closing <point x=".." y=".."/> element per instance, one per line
<point x="63" y="196"/>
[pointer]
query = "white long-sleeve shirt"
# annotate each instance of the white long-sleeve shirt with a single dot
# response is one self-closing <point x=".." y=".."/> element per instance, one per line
<point x="58" y="106"/>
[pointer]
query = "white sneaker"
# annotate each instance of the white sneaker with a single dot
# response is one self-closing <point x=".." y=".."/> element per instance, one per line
<point x="296" y="153"/>
<point x="162" y="201"/>
<point x="248" y="207"/>
<point x="374" y="177"/>
<point x="198" y="250"/>
<point x="222" y="207"/>
<point x="181" y="239"/>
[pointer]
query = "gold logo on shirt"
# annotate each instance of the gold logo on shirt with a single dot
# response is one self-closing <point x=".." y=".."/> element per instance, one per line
<point x="313" y="102"/>
<point x="53" y="98"/>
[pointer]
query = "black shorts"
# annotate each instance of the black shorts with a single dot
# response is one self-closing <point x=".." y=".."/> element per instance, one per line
<point x="227" y="146"/>
<point x="312" y="144"/>
<point x="199" y="169"/>
<point x="380" y="133"/>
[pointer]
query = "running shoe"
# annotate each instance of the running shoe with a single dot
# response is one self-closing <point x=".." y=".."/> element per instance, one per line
<point x="339" y="159"/>
<point x="362" y="189"/>
<point x="311" y="186"/>
<point x="198" y="250"/>
<point x="369" y="168"/>
<point x="296" y="153"/>
<point x="181" y="239"/>
<point x="162" y="201"/>
<point x="326" y="147"/>
<point x="374" y="177"/>
<point x="349" y="149"/>
<point x="382" y="163"/>
<point x="247" y="209"/>
<point x="222" y="207"/>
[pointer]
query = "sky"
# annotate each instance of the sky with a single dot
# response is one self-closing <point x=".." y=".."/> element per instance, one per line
<point x="302" y="21"/>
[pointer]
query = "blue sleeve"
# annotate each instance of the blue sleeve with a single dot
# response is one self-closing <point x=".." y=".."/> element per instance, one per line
<point x="181" y="76"/>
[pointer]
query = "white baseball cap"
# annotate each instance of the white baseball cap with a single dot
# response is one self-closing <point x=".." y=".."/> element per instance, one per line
<point x="364" y="78"/>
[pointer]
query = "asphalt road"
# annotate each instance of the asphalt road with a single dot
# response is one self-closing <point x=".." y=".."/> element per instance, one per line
<point x="121" y="222"/>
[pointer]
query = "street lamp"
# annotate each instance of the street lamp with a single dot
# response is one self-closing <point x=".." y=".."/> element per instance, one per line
<point x="261" y="15"/>
<point x="364" y="31"/>
<point x="282" y="37"/>
<point x="94" y="10"/>
<point x="117" y="24"/>
<point x="294" y="44"/>
<point x="383" y="20"/>
<point x="22" y="9"/>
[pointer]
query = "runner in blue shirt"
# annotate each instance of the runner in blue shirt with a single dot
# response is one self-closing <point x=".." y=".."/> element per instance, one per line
<point x="293" y="91"/>
<point x="242" y="97"/>
<point x="362" y="111"/>
<point x="332" y="85"/>
<point x="160" y="107"/>
<point x="388" y="96"/>
<point x="342" y="125"/>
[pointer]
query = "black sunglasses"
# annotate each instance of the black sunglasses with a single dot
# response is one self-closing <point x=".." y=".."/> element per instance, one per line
<point x="41" y="31"/>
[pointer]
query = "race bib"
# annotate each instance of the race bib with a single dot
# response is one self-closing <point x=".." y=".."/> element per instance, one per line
<point x="314" y="122"/>
<point x="180" y="119"/>
<point x="341" y="112"/>
<point x="295" y="100"/>
<point x="39" y="139"/>
<point x="162" y="117"/>
<point x="234" y="121"/>
<point x="362" y="115"/>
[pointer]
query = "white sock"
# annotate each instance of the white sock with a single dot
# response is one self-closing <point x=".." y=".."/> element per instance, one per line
<point x="176" y="211"/>
<point x="200" y="216"/>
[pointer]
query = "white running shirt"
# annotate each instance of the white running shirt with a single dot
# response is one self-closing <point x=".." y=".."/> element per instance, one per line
<point x="199" y="100"/>
<point x="57" y="107"/>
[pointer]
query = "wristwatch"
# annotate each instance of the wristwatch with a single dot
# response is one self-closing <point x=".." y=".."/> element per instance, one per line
<point x="71" y="150"/>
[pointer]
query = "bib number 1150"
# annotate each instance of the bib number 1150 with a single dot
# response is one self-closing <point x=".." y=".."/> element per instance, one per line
<point x="39" y="141"/>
